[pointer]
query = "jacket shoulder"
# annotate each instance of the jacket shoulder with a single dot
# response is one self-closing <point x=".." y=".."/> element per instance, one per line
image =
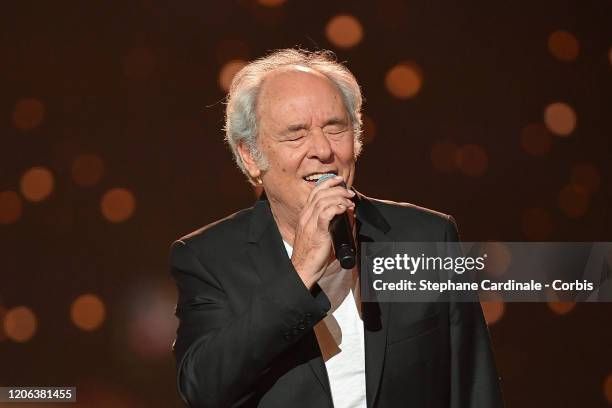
<point x="409" y="209"/>
<point x="219" y="234"/>
<point x="408" y="216"/>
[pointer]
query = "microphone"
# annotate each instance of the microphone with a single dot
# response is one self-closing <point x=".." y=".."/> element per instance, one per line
<point x="341" y="233"/>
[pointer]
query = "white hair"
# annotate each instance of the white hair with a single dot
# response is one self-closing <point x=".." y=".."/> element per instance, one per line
<point x="241" y="112"/>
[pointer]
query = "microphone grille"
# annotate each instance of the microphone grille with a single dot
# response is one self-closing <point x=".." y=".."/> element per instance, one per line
<point x="324" y="177"/>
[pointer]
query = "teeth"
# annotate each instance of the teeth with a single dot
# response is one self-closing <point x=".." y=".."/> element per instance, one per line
<point x="314" y="177"/>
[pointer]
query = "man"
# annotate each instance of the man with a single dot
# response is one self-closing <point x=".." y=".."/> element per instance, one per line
<point x="267" y="316"/>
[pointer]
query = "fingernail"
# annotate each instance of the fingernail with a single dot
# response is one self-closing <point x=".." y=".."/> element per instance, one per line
<point x="351" y="192"/>
<point x="338" y="178"/>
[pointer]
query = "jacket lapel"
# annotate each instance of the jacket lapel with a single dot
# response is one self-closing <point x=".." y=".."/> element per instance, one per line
<point x="372" y="227"/>
<point x="265" y="238"/>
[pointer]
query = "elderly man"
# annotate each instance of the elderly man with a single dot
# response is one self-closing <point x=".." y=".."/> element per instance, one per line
<point x="267" y="316"/>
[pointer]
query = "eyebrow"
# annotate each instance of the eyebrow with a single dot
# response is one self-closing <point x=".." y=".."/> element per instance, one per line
<point x="329" y="122"/>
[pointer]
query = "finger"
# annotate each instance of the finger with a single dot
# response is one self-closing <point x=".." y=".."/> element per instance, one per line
<point x="328" y="214"/>
<point x="338" y="190"/>
<point x="311" y="216"/>
<point x="331" y="182"/>
<point x="334" y="202"/>
<point x="322" y="193"/>
<point x="331" y="200"/>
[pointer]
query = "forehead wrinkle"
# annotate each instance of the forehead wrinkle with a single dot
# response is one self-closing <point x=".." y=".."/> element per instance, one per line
<point x="272" y="99"/>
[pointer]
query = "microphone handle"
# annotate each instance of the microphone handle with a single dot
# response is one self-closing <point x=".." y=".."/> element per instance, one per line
<point x="342" y="237"/>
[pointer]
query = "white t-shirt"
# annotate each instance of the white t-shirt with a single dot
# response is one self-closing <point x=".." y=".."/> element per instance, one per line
<point x="340" y="336"/>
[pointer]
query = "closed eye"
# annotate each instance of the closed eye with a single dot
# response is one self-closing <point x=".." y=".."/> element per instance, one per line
<point x="335" y="130"/>
<point x="293" y="138"/>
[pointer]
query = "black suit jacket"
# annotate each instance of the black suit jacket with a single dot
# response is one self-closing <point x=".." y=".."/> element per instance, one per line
<point x="246" y="334"/>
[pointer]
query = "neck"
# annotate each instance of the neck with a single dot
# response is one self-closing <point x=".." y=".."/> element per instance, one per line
<point x="285" y="221"/>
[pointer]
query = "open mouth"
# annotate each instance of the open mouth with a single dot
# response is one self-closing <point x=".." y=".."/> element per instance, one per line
<point x="314" y="177"/>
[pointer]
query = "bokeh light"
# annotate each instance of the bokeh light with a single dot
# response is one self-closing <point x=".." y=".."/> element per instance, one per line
<point x="498" y="258"/>
<point x="28" y="113"/>
<point x="493" y="308"/>
<point x="443" y="156"/>
<point x="20" y="324"/>
<point x="563" y="45"/>
<point x="139" y="63"/>
<point x="87" y="312"/>
<point x="117" y="204"/>
<point x="404" y="80"/>
<point x="607" y="388"/>
<point x="271" y="3"/>
<point x="536" y="139"/>
<point x="3" y="311"/>
<point x="10" y="207"/>
<point x="472" y="160"/>
<point x="561" y="308"/>
<point x="37" y="184"/>
<point x="560" y="118"/>
<point x="344" y="31"/>
<point x="151" y="324"/>
<point x="574" y="200"/>
<point x="537" y="224"/>
<point x="228" y="71"/>
<point x="586" y="175"/>
<point x="87" y="169"/>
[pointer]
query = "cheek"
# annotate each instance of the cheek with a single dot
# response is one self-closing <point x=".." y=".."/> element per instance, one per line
<point x="286" y="162"/>
<point x="345" y="150"/>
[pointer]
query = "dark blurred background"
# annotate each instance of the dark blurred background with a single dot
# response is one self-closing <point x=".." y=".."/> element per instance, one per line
<point x="498" y="113"/>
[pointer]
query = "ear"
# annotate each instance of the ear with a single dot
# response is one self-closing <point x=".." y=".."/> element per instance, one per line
<point x="249" y="161"/>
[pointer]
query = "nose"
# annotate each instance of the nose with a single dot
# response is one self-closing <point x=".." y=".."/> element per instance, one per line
<point x="320" y="148"/>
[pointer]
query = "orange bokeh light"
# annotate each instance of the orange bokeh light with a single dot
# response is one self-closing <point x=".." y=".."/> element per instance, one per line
<point x="563" y="45"/>
<point x="344" y="31"/>
<point x="586" y="175"/>
<point x="404" y="80"/>
<point x="560" y="118"/>
<point x="2" y="314"/>
<point x="10" y="207"/>
<point x="20" y="324"/>
<point x="574" y="200"/>
<point x="87" y="169"/>
<point x="472" y="160"/>
<point x="36" y="184"/>
<point x="28" y="113"/>
<point x="536" y="139"/>
<point x="607" y="388"/>
<point x="493" y="311"/>
<point x="561" y="308"/>
<point x="87" y="312"/>
<point x="227" y="73"/>
<point x="271" y="3"/>
<point x="498" y="258"/>
<point x="117" y="205"/>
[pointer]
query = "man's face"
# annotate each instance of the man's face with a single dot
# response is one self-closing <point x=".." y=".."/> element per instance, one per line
<point x="304" y="131"/>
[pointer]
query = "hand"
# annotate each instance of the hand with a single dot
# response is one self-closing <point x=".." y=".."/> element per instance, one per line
<point x="312" y="245"/>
